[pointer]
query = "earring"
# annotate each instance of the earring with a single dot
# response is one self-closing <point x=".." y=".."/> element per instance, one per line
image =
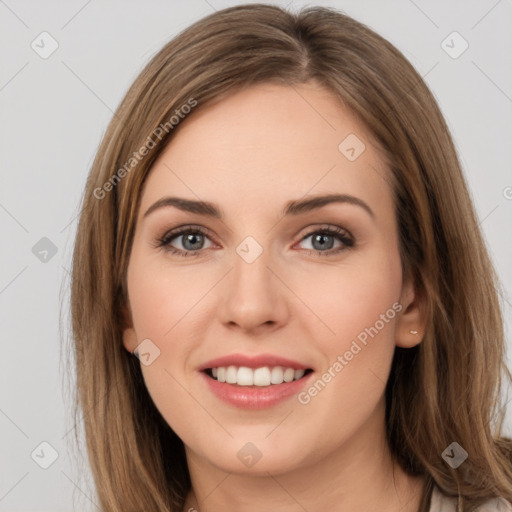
<point x="413" y="332"/>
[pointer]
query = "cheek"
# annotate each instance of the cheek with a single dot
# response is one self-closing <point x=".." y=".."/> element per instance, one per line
<point x="162" y="300"/>
<point x="352" y="298"/>
<point x="162" y="305"/>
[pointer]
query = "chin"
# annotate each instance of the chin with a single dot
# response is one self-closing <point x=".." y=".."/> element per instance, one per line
<point x="257" y="458"/>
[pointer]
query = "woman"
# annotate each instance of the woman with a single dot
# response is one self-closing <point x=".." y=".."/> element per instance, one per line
<point x="280" y="293"/>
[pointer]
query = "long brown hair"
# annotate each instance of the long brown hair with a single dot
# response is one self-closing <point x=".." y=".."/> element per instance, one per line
<point x="444" y="390"/>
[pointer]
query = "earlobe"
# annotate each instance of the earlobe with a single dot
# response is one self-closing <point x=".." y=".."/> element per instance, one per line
<point x="411" y="324"/>
<point x="129" y="339"/>
<point x="129" y="335"/>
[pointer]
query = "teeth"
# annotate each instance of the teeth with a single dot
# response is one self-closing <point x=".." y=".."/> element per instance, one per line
<point x="244" y="376"/>
<point x="264" y="376"/>
<point x="298" y="374"/>
<point x="288" y="375"/>
<point x="231" y="375"/>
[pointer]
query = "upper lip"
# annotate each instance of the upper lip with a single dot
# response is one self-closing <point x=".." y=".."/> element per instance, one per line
<point x="253" y="361"/>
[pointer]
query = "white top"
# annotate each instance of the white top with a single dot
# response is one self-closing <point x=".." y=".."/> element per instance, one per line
<point x="442" y="503"/>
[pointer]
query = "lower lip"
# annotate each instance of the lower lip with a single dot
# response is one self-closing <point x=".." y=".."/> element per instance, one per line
<point x="247" y="397"/>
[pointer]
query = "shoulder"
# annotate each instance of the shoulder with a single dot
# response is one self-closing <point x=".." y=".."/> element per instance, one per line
<point x="442" y="503"/>
<point x="496" y="505"/>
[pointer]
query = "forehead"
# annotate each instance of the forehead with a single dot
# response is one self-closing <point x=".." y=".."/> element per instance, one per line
<point x="270" y="143"/>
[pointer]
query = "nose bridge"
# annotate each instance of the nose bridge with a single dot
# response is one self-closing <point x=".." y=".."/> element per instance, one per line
<point x="252" y="294"/>
<point x="250" y="273"/>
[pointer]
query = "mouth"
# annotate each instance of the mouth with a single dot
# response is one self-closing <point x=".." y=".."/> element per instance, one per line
<point x="264" y="376"/>
<point x="250" y="381"/>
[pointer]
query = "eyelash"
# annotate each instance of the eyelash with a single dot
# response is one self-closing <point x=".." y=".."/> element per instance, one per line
<point x="341" y="234"/>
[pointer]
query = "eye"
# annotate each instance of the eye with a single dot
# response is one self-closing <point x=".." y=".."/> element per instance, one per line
<point x="324" y="238"/>
<point x="190" y="238"/>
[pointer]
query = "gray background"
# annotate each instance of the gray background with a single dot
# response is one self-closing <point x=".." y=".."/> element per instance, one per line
<point x="54" y="113"/>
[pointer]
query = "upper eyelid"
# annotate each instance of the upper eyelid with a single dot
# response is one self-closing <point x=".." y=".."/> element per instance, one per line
<point x="198" y="227"/>
<point x="181" y="230"/>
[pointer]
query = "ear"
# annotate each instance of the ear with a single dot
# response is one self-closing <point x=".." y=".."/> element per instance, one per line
<point x="129" y="335"/>
<point x="412" y="321"/>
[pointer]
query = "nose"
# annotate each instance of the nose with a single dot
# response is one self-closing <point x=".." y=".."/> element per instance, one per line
<point x="253" y="296"/>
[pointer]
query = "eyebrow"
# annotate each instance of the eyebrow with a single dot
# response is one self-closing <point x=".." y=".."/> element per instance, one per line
<point x="294" y="207"/>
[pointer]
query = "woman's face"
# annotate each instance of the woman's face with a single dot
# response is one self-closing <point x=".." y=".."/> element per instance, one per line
<point x="264" y="286"/>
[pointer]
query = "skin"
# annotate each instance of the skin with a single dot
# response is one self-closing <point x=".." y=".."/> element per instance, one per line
<point x="250" y="154"/>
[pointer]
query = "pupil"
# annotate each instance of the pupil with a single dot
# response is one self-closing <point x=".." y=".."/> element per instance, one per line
<point x="322" y="237"/>
<point x="190" y="238"/>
